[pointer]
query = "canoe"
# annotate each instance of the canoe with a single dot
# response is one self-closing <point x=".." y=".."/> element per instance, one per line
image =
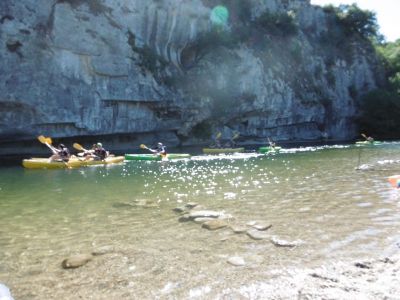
<point x="44" y="163"/>
<point x="109" y="160"/>
<point x="368" y="143"/>
<point x="269" y="149"/>
<point x="156" y="157"/>
<point x="222" y="150"/>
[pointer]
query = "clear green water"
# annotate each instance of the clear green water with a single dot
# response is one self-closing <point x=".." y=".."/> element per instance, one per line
<point x="313" y="195"/>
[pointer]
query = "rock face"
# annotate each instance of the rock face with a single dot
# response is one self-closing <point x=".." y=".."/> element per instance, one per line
<point x="151" y="70"/>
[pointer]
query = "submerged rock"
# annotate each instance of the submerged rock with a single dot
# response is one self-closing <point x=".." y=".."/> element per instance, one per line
<point x="76" y="261"/>
<point x="366" y="265"/>
<point x="238" y="229"/>
<point x="202" y="220"/>
<point x="214" y="224"/>
<point x="184" y="218"/>
<point x="191" y="205"/>
<point x="257" y="235"/>
<point x="236" y="261"/>
<point x="262" y="227"/>
<point x="179" y="209"/>
<point x="205" y="213"/>
<point x="284" y="243"/>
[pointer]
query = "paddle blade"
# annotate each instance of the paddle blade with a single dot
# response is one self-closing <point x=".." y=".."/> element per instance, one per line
<point x="235" y="136"/>
<point x="49" y="140"/>
<point x="78" y="147"/>
<point x="143" y="146"/>
<point x="42" y="139"/>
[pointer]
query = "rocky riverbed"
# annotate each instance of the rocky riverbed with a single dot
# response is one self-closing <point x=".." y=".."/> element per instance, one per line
<point x="115" y="272"/>
<point x="359" y="279"/>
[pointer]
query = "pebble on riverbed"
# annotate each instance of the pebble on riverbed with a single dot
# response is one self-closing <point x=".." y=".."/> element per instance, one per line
<point x="283" y="243"/>
<point x="76" y="261"/>
<point x="238" y="229"/>
<point x="257" y="235"/>
<point x="262" y="226"/>
<point x="236" y="261"/>
<point x="202" y="220"/>
<point x="214" y="224"/>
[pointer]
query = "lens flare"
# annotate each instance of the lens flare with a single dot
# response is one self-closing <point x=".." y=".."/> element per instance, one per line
<point x="219" y="15"/>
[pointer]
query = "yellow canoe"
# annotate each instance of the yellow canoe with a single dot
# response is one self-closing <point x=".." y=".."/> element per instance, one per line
<point x="45" y="163"/>
<point x="107" y="161"/>
<point x="222" y="150"/>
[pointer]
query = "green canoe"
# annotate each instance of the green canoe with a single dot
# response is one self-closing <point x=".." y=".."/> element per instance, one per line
<point x="222" y="150"/>
<point x="269" y="149"/>
<point x="155" y="156"/>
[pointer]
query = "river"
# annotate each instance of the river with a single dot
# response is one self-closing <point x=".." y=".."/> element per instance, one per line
<point x="314" y="196"/>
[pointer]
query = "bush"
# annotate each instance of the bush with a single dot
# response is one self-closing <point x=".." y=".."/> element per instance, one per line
<point x="355" y="20"/>
<point x="381" y="108"/>
<point x="278" y="24"/>
<point x="380" y="113"/>
<point x="390" y="53"/>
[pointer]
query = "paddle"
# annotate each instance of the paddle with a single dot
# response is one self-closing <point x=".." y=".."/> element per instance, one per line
<point x="143" y="146"/>
<point x="367" y="138"/>
<point x="217" y="142"/>
<point x="163" y="156"/>
<point x="235" y="136"/>
<point x="47" y="141"/>
<point x="79" y="147"/>
<point x="271" y="143"/>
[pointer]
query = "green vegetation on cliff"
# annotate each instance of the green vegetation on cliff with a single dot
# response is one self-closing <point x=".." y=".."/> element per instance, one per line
<point x="381" y="108"/>
<point x="355" y="20"/>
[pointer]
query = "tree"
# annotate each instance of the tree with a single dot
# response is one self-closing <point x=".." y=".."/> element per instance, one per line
<point x="356" y="20"/>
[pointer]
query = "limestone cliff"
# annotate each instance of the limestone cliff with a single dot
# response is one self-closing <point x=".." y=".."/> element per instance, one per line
<point x="145" y="70"/>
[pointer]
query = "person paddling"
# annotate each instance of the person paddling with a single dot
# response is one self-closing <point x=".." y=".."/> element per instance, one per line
<point x="99" y="152"/>
<point x="61" y="153"/>
<point x="271" y="143"/>
<point x="160" y="149"/>
<point x="368" y="138"/>
<point x="232" y="143"/>
<point x="217" y="141"/>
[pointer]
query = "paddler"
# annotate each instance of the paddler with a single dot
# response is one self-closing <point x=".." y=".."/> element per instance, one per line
<point x="271" y="143"/>
<point x="99" y="152"/>
<point x="61" y="153"/>
<point x="217" y="141"/>
<point x="368" y="138"/>
<point x="160" y="149"/>
<point x="232" y="141"/>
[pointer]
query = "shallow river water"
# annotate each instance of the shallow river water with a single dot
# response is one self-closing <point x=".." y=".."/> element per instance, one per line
<point x="313" y="196"/>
